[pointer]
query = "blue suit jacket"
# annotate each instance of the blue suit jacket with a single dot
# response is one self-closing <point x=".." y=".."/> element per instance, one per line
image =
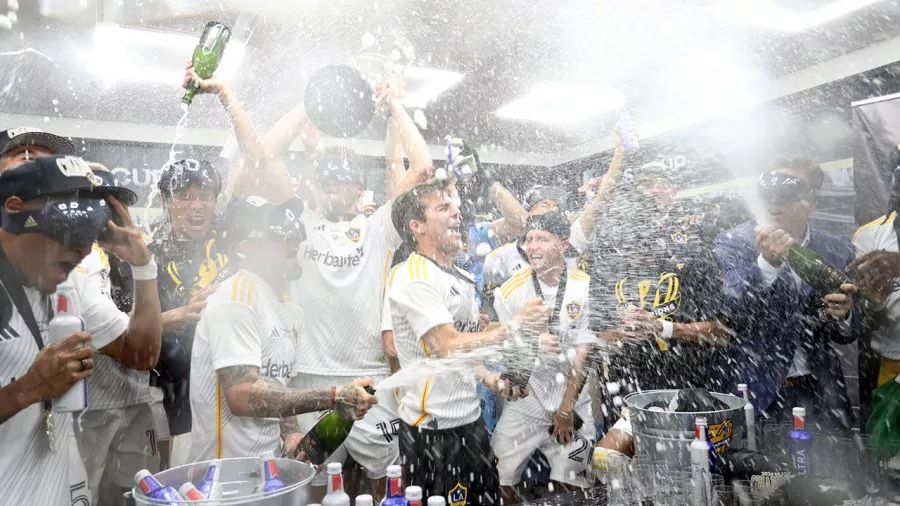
<point x="769" y="321"/>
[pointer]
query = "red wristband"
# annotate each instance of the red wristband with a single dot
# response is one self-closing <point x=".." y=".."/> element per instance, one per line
<point x="332" y="397"/>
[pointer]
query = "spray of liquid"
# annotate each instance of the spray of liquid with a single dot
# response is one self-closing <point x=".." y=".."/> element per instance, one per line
<point x="154" y="196"/>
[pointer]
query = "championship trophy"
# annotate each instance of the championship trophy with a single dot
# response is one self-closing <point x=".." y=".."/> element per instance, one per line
<point x="340" y="98"/>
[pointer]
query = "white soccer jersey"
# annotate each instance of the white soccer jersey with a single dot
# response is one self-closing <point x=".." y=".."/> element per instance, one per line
<point x="423" y="295"/>
<point x="545" y="384"/>
<point x="29" y="472"/>
<point x="112" y="385"/>
<point x="344" y="265"/>
<point x="874" y="236"/>
<point x="507" y="261"/>
<point x="244" y="323"/>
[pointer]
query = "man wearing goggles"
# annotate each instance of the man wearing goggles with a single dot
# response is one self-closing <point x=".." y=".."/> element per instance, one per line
<point x="245" y="349"/>
<point x="52" y="212"/>
<point x="776" y="314"/>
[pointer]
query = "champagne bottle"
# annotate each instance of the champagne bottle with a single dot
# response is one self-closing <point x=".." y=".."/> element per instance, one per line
<point x="207" y="55"/>
<point x="813" y="269"/>
<point x="325" y="437"/>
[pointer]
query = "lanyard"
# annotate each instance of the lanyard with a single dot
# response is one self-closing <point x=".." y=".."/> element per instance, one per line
<point x="560" y="293"/>
<point x="13" y="287"/>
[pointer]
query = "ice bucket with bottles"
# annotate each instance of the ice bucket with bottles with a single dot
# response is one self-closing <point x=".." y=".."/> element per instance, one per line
<point x="665" y="436"/>
<point x="241" y="483"/>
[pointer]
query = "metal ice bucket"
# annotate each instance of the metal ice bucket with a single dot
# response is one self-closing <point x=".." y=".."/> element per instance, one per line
<point x="665" y="436"/>
<point x="241" y="483"/>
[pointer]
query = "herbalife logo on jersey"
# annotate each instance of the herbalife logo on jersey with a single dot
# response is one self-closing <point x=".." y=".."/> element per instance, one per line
<point x="328" y="259"/>
<point x="275" y="370"/>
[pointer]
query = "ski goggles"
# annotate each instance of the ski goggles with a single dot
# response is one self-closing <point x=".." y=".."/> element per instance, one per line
<point x="67" y="220"/>
<point x="780" y="188"/>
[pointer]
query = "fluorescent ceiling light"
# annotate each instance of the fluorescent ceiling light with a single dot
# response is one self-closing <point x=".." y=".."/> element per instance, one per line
<point x="424" y="84"/>
<point x="558" y="103"/>
<point x="154" y="56"/>
<point x="763" y="13"/>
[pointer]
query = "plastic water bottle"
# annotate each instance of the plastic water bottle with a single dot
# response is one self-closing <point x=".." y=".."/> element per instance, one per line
<point x="270" y="473"/>
<point x="702" y="463"/>
<point x="209" y="487"/>
<point x="364" y="500"/>
<point x="414" y="495"/>
<point x="63" y="325"/>
<point x="436" y="500"/>
<point x="801" y="444"/>
<point x="749" y="416"/>
<point x="336" y="495"/>
<point x="393" y="494"/>
<point x="623" y="123"/>
<point x="152" y="488"/>
<point x="191" y="493"/>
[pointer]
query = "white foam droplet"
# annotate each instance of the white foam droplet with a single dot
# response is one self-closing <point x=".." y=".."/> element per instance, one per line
<point x="571" y="354"/>
<point x="560" y="378"/>
<point x="368" y="40"/>
<point x="482" y="249"/>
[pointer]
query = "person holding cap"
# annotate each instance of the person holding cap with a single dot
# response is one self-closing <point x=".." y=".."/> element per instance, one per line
<point x="53" y="210"/>
<point x="546" y="418"/>
<point x="776" y="314"/>
<point x="21" y="144"/>
<point x="245" y="349"/>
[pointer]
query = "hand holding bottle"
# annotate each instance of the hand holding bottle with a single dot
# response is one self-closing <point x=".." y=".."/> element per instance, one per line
<point x="774" y="244"/>
<point x="352" y="401"/>
<point x="211" y="85"/>
<point x="838" y="304"/>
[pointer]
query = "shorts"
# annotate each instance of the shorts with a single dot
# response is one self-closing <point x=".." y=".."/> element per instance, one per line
<point x="115" y="444"/>
<point x="456" y="463"/>
<point x="524" y="428"/>
<point x="373" y="440"/>
<point x="160" y="420"/>
<point x="79" y="493"/>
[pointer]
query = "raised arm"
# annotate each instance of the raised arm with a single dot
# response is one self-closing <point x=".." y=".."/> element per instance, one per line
<point x="609" y="180"/>
<point x="393" y="159"/>
<point x="420" y="165"/>
<point x="514" y="215"/>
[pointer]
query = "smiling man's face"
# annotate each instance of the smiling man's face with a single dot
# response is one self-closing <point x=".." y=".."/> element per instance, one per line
<point x="191" y="211"/>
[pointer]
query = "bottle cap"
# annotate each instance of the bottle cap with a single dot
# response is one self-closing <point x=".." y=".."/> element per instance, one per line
<point x="414" y="492"/>
<point x="742" y="387"/>
<point x="140" y="475"/>
<point x="335" y="468"/>
<point x="364" y="500"/>
<point x="436" y="500"/>
<point x="394" y="471"/>
<point x="701" y="420"/>
<point x="267" y="455"/>
<point x="799" y="411"/>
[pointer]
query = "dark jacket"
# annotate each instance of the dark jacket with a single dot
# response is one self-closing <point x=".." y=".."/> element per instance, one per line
<point x="770" y="320"/>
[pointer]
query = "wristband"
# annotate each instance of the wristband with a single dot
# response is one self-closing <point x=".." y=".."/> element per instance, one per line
<point x="332" y="397"/>
<point x="144" y="272"/>
<point x="668" y="329"/>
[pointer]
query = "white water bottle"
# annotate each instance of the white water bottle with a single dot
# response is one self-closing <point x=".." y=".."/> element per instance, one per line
<point x="749" y="416"/>
<point x="700" y="465"/>
<point x="436" y="500"/>
<point x="336" y="495"/>
<point x="414" y="495"/>
<point x="63" y="325"/>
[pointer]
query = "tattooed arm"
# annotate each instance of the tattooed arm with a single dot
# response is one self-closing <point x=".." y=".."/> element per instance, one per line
<point x="249" y="395"/>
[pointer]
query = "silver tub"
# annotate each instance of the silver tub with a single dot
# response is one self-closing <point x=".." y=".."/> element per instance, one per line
<point x="241" y="482"/>
<point x="665" y="436"/>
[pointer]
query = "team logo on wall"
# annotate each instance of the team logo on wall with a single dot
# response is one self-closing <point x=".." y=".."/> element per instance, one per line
<point x="353" y="234"/>
<point x="458" y="495"/>
<point x="720" y="434"/>
<point x="574" y="310"/>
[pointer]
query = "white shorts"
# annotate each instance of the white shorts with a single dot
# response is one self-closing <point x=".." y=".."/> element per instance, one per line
<point x="160" y="420"/>
<point x="524" y="428"/>
<point x="115" y="444"/>
<point x="79" y="493"/>
<point x="373" y="440"/>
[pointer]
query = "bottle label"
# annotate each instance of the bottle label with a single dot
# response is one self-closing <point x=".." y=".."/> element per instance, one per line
<point x="799" y="423"/>
<point x="271" y="470"/>
<point x="394" y="488"/>
<point x="336" y="483"/>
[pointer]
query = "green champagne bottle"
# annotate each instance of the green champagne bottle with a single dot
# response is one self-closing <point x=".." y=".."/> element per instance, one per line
<point x="813" y="269"/>
<point x="325" y="437"/>
<point x="208" y="55"/>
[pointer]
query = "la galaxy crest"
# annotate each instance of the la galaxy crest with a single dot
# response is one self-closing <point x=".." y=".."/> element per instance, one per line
<point x="353" y="234"/>
<point x="458" y="495"/>
<point x="574" y="310"/>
